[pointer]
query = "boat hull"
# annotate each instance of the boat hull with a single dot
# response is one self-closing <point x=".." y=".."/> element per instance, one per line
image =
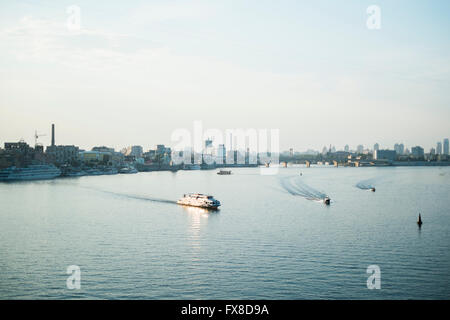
<point x="213" y="207"/>
<point x="34" y="172"/>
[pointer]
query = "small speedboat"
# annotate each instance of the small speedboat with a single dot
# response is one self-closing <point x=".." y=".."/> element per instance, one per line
<point x="224" y="172"/>
<point x="327" y="201"/>
<point x="372" y="189"/>
<point x="199" y="200"/>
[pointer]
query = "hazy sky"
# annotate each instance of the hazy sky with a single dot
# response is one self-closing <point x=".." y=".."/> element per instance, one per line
<point x="138" y="70"/>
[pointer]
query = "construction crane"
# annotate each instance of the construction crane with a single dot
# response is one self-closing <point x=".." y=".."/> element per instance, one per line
<point x="36" y="136"/>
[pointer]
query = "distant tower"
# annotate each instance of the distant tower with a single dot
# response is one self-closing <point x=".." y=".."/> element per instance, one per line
<point x="446" y="147"/>
<point x="376" y="146"/>
<point x="53" y="135"/>
<point x="439" y="147"/>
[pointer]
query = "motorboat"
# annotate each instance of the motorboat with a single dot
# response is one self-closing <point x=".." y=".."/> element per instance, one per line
<point x="224" y="172"/>
<point x="327" y="201"/>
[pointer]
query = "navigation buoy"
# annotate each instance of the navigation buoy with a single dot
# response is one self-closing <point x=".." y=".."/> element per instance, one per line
<point x="419" y="222"/>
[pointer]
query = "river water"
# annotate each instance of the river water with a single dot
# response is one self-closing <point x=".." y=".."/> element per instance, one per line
<point x="272" y="238"/>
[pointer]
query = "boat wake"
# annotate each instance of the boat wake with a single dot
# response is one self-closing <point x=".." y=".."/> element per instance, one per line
<point x="132" y="196"/>
<point x="295" y="186"/>
<point x="366" y="184"/>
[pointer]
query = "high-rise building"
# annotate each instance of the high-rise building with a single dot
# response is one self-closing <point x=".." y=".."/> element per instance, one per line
<point x="346" y="148"/>
<point x="417" y="152"/>
<point x="221" y="154"/>
<point x="446" y="146"/>
<point x="384" y="155"/>
<point x="360" y="149"/>
<point x="399" y="148"/>
<point x="376" y="146"/>
<point x="439" y="147"/>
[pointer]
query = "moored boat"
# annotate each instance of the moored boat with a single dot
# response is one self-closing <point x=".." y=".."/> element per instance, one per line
<point x="31" y="172"/>
<point x="127" y="170"/>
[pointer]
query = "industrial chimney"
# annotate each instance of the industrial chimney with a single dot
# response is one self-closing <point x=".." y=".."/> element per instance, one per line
<point x="53" y="135"/>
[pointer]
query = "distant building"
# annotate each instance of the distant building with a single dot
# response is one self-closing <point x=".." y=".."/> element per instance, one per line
<point x="385" y="155"/>
<point x="360" y="149"/>
<point x="221" y="154"/>
<point x="103" y="149"/>
<point x="346" y="148"/>
<point x="208" y="146"/>
<point x="21" y="146"/>
<point x="62" y="154"/>
<point x="162" y="155"/>
<point x="446" y="151"/>
<point x="18" y="154"/>
<point x="94" y="157"/>
<point x="162" y="149"/>
<point x="135" y="151"/>
<point x="439" y="147"/>
<point x="417" y="152"/>
<point x="399" y="148"/>
<point x="376" y="146"/>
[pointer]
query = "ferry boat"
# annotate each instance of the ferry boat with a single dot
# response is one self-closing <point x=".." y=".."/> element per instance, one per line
<point x="199" y="200"/>
<point x="31" y="172"/>
<point x="224" y="172"/>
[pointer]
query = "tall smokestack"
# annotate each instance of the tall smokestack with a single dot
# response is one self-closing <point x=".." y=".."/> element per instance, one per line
<point x="53" y="135"/>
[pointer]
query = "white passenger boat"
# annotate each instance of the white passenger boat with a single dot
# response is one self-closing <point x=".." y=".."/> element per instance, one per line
<point x="199" y="200"/>
<point x="31" y="172"/>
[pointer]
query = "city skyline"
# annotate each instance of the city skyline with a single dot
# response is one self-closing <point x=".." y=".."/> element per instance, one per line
<point x="440" y="147"/>
<point x="133" y="73"/>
